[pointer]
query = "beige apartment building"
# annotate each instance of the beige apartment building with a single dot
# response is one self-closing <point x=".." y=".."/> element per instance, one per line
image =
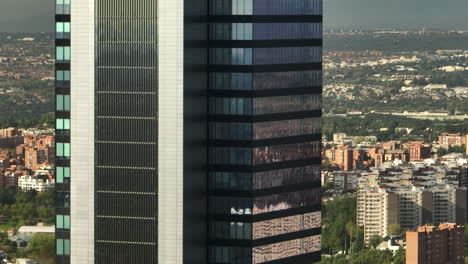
<point x="379" y="208"/>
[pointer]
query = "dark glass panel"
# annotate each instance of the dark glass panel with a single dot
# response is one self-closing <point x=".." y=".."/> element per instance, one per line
<point x="281" y="153"/>
<point x="123" y="229"/>
<point x="126" y="204"/>
<point x="284" y="177"/>
<point x="285" y="128"/>
<point x="230" y="230"/>
<point x="229" y="255"/>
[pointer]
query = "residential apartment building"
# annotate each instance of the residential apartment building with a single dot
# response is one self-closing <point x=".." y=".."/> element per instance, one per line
<point x="379" y="208"/>
<point x="157" y="98"/>
<point x="447" y="140"/>
<point x="435" y="244"/>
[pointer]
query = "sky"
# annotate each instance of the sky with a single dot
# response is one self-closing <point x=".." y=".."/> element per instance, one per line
<point x="37" y="15"/>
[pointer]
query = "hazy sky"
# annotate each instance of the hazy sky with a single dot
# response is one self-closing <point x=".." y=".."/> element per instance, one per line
<point x="37" y="15"/>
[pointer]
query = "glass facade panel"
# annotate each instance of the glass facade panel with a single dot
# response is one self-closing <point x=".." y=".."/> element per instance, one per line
<point x="285" y="128"/>
<point x="230" y="131"/>
<point x="230" y="181"/>
<point x="230" y="205"/>
<point x="59" y="246"/>
<point x="63" y="102"/>
<point x="284" y="177"/>
<point x="62" y="54"/>
<point x="285" y="201"/>
<point x="265" y="31"/>
<point x="266" y="7"/>
<point x="259" y="56"/>
<point x="281" y="80"/>
<point x="62" y="7"/>
<point x="62" y="30"/>
<point x="286" y="249"/>
<point x="286" y="225"/>
<point x="230" y="255"/>
<point x="281" y="153"/>
<point x="232" y="156"/>
<point x="62" y="79"/>
<point x="284" y="104"/>
<point x="230" y="230"/>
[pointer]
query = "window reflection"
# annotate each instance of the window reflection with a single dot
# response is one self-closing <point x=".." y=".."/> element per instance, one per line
<point x="285" y="201"/>
<point x="284" y="104"/>
<point x="62" y="7"/>
<point x="259" y="56"/>
<point x="230" y="181"/>
<point x="289" y="176"/>
<point x="230" y="205"/>
<point x="286" y="225"/>
<point x="285" y="128"/>
<point x="266" y="7"/>
<point x="280" y="153"/>
<point x="286" y="249"/>
<point x="265" y="31"/>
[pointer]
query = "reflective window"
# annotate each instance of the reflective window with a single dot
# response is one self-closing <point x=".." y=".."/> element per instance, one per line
<point x="62" y="222"/>
<point x="258" y="56"/>
<point x="286" y="128"/>
<point x="62" y="7"/>
<point x="62" y="126"/>
<point x="230" y="181"/>
<point x="62" y="54"/>
<point x="231" y="81"/>
<point x="280" y="80"/>
<point x="286" y="249"/>
<point x="282" y="177"/>
<point x="62" y="199"/>
<point x="230" y="131"/>
<point x="230" y="230"/>
<point x="62" y="150"/>
<point x="232" y="56"/>
<point x="63" y="102"/>
<point x="279" y="31"/>
<point x="266" y="7"/>
<point x="230" y="255"/>
<point x="230" y="106"/>
<point x="265" y="31"/>
<point x="231" y="31"/>
<point x="231" y="156"/>
<point x="281" y="153"/>
<point x="290" y="55"/>
<point x="285" y="201"/>
<point x="286" y="225"/>
<point x="62" y="79"/>
<point x="264" y="80"/>
<point x="62" y="174"/>
<point x="230" y="205"/>
<point x="284" y="104"/>
<point x="62" y="30"/>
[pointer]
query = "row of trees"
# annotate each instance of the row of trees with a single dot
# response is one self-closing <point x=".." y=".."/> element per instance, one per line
<point x="18" y="207"/>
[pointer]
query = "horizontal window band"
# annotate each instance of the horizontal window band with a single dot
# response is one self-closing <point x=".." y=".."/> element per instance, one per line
<point x="266" y="167"/>
<point x="266" y="240"/>
<point x="126" y="42"/>
<point x="264" y="117"/>
<point x="126" y="217"/>
<point x="264" y="192"/>
<point x="265" y="216"/>
<point x="126" y="167"/>
<point x="126" y="242"/>
<point x="62" y="138"/>
<point x="127" y="117"/>
<point x="265" y="43"/>
<point x="265" y="92"/>
<point x="126" y="67"/>
<point x="62" y="18"/>
<point x="130" y="193"/>
<point x="125" y="142"/>
<point x="61" y="114"/>
<point x="260" y="19"/>
<point x="62" y="42"/>
<point x="308" y="258"/>
<point x="59" y="66"/>
<point x="265" y="68"/>
<point x="130" y="18"/>
<point x="62" y="90"/>
<point x="126" y="92"/>
<point x="265" y="142"/>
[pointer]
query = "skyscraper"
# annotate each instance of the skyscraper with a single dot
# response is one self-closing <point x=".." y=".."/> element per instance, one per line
<point x="188" y="131"/>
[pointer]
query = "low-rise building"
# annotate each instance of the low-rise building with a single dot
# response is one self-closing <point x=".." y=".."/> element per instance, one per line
<point x="27" y="183"/>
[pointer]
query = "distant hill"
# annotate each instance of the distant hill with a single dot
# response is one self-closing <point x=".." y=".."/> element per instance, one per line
<point x="27" y="15"/>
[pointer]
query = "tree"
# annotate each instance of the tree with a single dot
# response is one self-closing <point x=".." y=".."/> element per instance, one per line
<point x="400" y="257"/>
<point x="42" y="245"/>
<point x="374" y="241"/>
<point x="395" y="229"/>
